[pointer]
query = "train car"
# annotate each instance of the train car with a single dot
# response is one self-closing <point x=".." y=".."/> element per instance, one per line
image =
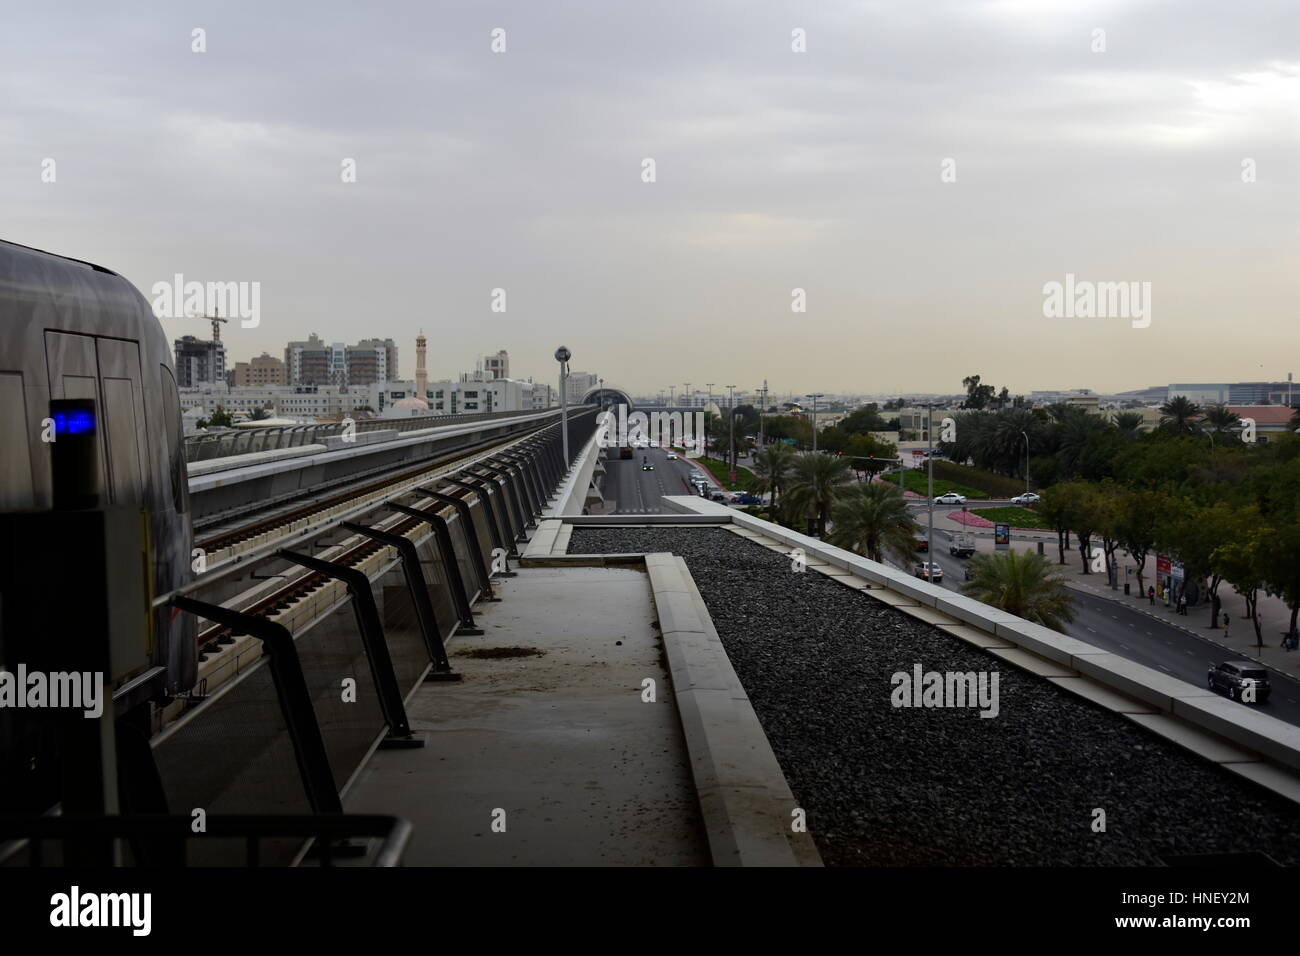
<point x="70" y="329"/>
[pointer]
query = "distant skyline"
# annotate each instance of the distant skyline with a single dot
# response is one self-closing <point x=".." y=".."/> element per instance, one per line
<point x="922" y="171"/>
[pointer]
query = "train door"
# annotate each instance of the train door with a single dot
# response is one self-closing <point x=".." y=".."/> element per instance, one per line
<point x="108" y="371"/>
<point x="127" y="429"/>
<point x="17" y="490"/>
<point x="73" y="371"/>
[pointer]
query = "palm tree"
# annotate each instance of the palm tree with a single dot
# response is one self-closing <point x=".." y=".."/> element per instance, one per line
<point x="872" y="519"/>
<point x="1178" y="415"/>
<point x="1221" y="419"/>
<point x="812" y="487"/>
<point x="772" y="467"/>
<point x="1129" y="423"/>
<point x="1021" y="583"/>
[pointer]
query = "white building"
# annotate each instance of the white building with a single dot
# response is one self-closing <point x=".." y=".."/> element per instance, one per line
<point x="455" y="398"/>
<point x="306" y="403"/>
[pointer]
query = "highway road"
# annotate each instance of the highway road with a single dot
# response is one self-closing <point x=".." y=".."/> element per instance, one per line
<point x="1130" y="631"/>
<point x="637" y="491"/>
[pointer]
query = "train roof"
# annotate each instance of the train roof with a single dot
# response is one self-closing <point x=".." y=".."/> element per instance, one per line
<point x="18" y="247"/>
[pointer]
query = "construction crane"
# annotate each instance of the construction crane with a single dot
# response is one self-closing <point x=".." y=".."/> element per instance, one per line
<point x="215" y="320"/>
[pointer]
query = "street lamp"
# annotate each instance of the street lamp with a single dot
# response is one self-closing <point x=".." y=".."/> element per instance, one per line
<point x="562" y="355"/>
<point x="688" y="393"/>
<point x="929" y="543"/>
<point x="814" y="396"/>
<point x="1026" y="434"/>
<point x="731" y="416"/>
<point x="672" y="395"/>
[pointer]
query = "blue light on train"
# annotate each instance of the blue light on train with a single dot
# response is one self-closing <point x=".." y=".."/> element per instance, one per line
<point x="76" y="421"/>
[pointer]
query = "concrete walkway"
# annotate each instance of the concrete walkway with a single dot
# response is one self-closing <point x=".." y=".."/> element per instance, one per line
<point x="549" y="726"/>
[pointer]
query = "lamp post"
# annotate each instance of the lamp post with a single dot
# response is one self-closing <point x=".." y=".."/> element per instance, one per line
<point x="562" y="355"/>
<point x="672" y="395"/>
<point x="688" y="394"/>
<point x="929" y="544"/>
<point x="731" y="419"/>
<point x="814" y="396"/>
<point x="710" y="386"/>
<point x="1026" y="434"/>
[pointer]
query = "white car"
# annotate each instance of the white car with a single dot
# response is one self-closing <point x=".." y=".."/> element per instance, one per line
<point x="951" y="498"/>
<point x="1028" y="498"/>
<point x="672" y="456"/>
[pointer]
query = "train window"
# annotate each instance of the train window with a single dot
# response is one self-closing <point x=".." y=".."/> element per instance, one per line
<point x="175" y="440"/>
<point x="16" y="487"/>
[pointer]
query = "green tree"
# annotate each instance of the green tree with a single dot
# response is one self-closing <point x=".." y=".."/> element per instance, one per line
<point x="813" y="485"/>
<point x="872" y="520"/>
<point x="1021" y="583"/>
<point x="220" y="418"/>
<point x="1243" y="563"/>
<point x="977" y="395"/>
<point x="773" y="465"/>
<point x="1178" y="416"/>
<point x="1141" y="514"/>
<point x="1220" y="419"/>
<point x="1196" y="531"/>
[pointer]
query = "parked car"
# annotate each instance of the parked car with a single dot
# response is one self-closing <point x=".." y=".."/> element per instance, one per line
<point x="962" y="545"/>
<point x="745" y="498"/>
<point x="1028" y="498"/>
<point x="928" y="571"/>
<point x="922" y="544"/>
<point x="951" y="498"/>
<point x="1233" y="677"/>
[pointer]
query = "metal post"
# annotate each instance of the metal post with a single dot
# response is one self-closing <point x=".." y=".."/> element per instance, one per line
<point x="291" y="691"/>
<point x="562" y="355"/>
<point x="731" y="416"/>
<point x="450" y="561"/>
<point x="929" y="546"/>
<point x="419" y="588"/>
<point x="375" y="644"/>
<point x="1026" y="434"/>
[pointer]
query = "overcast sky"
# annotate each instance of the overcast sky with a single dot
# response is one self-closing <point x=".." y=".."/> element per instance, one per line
<point x="775" y="170"/>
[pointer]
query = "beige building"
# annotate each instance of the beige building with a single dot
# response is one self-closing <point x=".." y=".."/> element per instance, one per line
<point x="266" y="369"/>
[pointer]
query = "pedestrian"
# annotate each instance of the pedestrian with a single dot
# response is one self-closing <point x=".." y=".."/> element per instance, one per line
<point x="1182" y="603"/>
<point x="1151" y="594"/>
<point x="1225" y="625"/>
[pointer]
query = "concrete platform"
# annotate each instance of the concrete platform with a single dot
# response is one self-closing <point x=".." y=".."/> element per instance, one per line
<point x="586" y="772"/>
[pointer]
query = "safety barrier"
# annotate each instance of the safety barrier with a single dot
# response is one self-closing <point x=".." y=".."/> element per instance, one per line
<point x="329" y="680"/>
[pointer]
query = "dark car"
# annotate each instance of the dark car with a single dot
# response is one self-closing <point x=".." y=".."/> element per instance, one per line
<point x="1233" y="677"/>
<point x="745" y="498"/>
<point x="922" y="544"/>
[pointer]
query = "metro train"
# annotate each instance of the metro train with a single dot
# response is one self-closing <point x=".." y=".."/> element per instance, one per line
<point x="69" y="330"/>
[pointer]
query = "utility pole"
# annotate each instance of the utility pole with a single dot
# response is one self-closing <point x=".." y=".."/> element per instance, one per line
<point x="672" y="395"/>
<point x="688" y="394"/>
<point x="814" y="396"/>
<point x="1026" y="434"/>
<point x="562" y="355"/>
<point x="709" y="386"/>
<point x="731" y="415"/>
<point x="929" y="546"/>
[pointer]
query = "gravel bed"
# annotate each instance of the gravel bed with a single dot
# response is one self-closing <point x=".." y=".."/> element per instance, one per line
<point x="891" y="786"/>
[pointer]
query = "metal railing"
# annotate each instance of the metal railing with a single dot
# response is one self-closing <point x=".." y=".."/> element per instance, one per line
<point x="243" y="441"/>
<point x="162" y="840"/>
